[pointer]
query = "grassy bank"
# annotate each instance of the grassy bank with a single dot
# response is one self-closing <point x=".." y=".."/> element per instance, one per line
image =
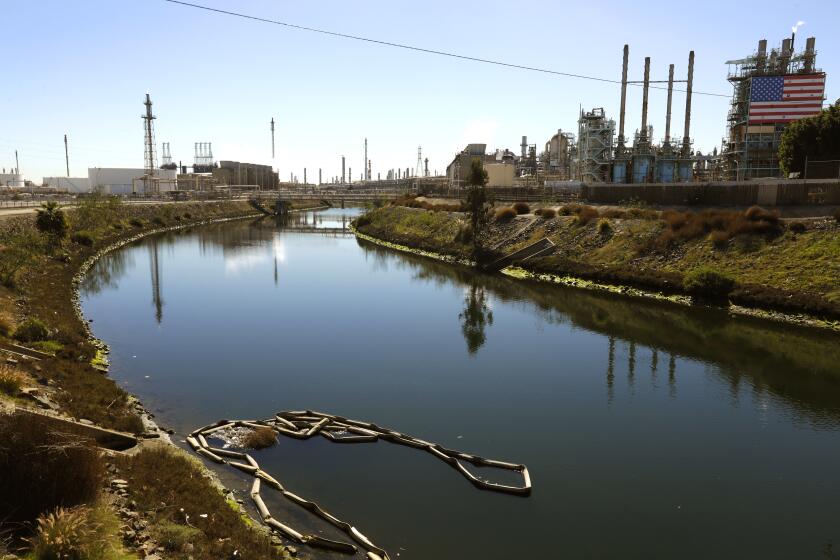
<point x="764" y="262"/>
<point x="38" y="272"/>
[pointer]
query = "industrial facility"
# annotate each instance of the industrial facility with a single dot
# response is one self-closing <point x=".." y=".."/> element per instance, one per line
<point x="770" y="90"/>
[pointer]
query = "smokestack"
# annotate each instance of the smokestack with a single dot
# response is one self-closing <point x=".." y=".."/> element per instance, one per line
<point x="304" y="176"/>
<point x="319" y="176"/>
<point x="342" y="170"/>
<point x="809" y="54"/>
<point x="689" y="83"/>
<point x="645" y="99"/>
<point x="366" y="161"/>
<point x="524" y="147"/>
<point x="784" y="59"/>
<point x="668" y="109"/>
<point x="66" y="156"/>
<point x="623" y="97"/>
<point x="761" y="58"/>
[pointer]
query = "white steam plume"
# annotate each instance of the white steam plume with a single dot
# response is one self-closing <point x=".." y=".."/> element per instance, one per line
<point x="796" y="27"/>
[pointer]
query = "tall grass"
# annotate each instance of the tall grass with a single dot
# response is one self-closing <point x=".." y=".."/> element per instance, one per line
<point x="11" y="380"/>
<point x="81" y="533"/>
<point x="545" y="213"/>
<point x="42" y="468"/>
<point x="686" y="226"/>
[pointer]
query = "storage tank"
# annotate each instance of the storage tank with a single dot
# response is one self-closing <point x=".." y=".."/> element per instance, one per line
<point x="642" y="164"/>
<point x="686" y="170"/>
<point x="619" y="174"/>
<point x="665" y="170"/>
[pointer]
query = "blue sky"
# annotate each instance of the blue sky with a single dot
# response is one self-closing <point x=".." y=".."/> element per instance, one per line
<point x="83" y="67"/>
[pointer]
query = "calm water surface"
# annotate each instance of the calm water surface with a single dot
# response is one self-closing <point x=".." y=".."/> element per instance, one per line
<point x="650" y="430"/>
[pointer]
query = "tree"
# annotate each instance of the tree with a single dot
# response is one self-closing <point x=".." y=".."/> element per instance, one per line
<point x="478" y="202"/>
<point x="52" y="222"/>
<point x="813" y="139"/>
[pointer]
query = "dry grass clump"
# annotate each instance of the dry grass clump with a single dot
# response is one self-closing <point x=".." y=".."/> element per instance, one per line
<point x="259" y="438"/>
<point x="685" y="226"/>
<point x="521" y="208"/>
<point x="81" y="533"/>
<point x="505" y="214"/>
<point x="545" y="213"/>
<point x="585" y="214"/>
<point x="604" y="226"/>
<point x="11" y="380"/>
<point x="172" y="485"/>
<point x="43" y="468"/>
<point x="410" y="201"/>
<point x="797" y="227"/>
<point x="719" y="239"/>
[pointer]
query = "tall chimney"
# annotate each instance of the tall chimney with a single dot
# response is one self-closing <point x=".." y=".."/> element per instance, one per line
<point x="809" y="54"/>
<point x="366" y="161"/>
<point x="643" y="131"/>
<point x="761" y="58"/>
<point x="623" y="97"/>
<point x="689" y="83"/>
<point x="668" y="109"/>
<point x="784" y="59"/>
<point x="342" y="170"/>
<point x="524" y="147"/>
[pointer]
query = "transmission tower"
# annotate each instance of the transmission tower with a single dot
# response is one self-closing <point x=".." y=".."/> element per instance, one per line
<point x="150" y="158"/>
<point x="418" y="172"/>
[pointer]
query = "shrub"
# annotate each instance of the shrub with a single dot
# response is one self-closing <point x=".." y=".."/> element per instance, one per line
<point x="188" y="216"/>
<point x="136" y="222"/>
<point x="465" y="234"/>
<point x="757" y="214"/>
<point x="505" y="214"/>
<point x="585" y="214"/>
<point x="82" y="533"/>
<point x="52" y="221"/>
<point x="604" y="226"/>
<point x="614" y="213"/>
<point x="31" y="330"/>
<point x="719" y="239"/>
<point x="521" y="208"/>
<point x="175" y="537"/>
<point x="11" y="380"/>
<point x="797" y="227"/>
<point x="705" y="283"/>
<point x="44" y="468"/>
<point x="119" y="226"/>
<point x="546" y="213"/>
<point x="82" y="238"/>
<point x="260" y="438"/>
<point x="362" y="221"/>
<point x="569" y="209"/>
<point x="685" y="226"/>
<point x="837" y="215"/>
<point x="158" y="221"/>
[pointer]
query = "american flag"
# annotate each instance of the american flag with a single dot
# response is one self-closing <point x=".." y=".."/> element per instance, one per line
<point x="782" y="99"/>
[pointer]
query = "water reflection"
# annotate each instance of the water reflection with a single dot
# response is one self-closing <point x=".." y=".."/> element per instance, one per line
<point x="795" y="364"/>
<point x="154" y="259"/>
<point x="475" y="317"/>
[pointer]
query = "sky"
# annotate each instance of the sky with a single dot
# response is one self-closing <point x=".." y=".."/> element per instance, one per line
<point x="83" y="67"/>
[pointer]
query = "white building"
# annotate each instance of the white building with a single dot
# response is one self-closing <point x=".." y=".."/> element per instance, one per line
<point x="120" y="180"/>
<point x="11" y="180"/>
<point x="69" y="184"/>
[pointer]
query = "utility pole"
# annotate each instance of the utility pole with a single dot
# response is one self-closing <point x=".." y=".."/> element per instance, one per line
<point x="66" y="156"/>
<point x="272" y="137"/>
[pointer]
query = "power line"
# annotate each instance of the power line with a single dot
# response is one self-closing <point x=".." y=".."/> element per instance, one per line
<point x="418" y="49"/>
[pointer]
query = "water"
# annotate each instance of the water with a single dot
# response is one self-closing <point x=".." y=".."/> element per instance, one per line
<point x="650" y="430"/>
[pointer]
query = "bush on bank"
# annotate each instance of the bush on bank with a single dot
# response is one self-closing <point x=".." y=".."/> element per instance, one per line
<point x="709" y="284"/>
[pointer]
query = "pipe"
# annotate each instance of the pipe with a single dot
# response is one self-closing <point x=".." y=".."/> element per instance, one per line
<point x="668" y="110"/>
<point x="645" y="99"/>
<point x="809" y="54"/>
<point x="623" y="97"/>
<point x="689" y="83"/>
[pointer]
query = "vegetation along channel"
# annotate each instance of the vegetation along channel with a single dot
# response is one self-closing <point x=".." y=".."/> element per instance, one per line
<point x="648" y="428"/>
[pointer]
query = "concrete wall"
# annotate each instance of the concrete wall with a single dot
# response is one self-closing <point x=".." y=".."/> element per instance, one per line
<point x="724" y="193"/>
<point x="69" y="184"/>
